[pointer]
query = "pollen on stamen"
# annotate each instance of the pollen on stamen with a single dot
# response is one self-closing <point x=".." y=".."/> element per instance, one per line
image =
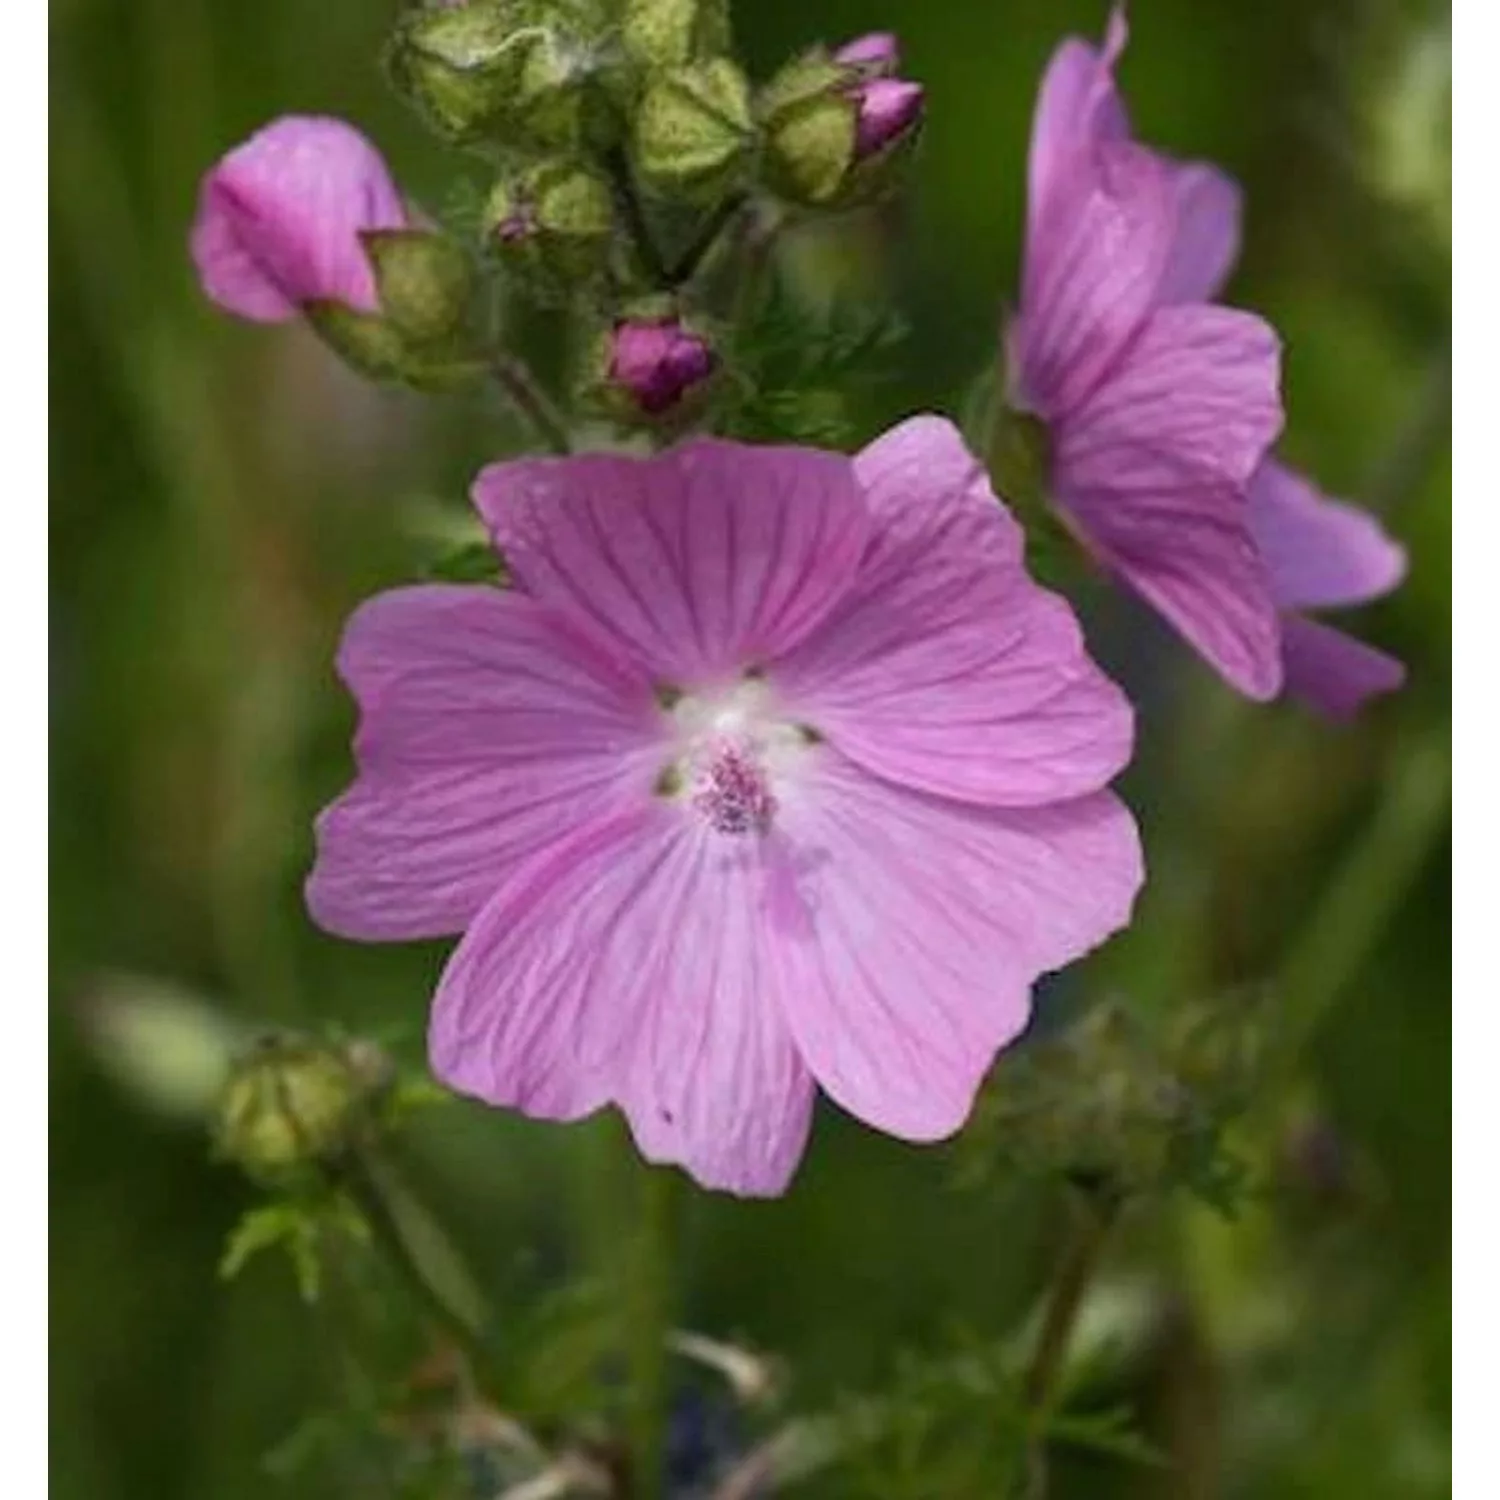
<point x="733" y="793"/>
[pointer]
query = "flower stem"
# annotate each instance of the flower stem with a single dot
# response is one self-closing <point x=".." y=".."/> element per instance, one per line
<point x="649" y="1322"/>
<point x="422" y="1256"/>
<point x="518" y="383"/>
<point x="632" y="212"/>
<point x="685" y="267"/>
<point x="1095" y="1213"/>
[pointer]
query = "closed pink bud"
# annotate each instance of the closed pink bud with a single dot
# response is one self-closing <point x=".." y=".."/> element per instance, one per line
<point x="888" y="109"/>
<point x="280" y="218"/>
<point x="879" y="50"/>
<point x="659" y="362"/>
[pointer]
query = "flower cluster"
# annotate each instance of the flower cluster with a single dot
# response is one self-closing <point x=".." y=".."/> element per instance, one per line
<point x="771" y="770"/>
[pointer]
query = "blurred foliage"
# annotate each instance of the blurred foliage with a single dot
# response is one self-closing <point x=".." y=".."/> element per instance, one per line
<point x="223" y="495"/>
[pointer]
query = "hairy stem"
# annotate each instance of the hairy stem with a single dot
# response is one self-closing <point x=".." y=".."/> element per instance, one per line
<point x="632" y="212"/>
<point x="1095" y="1213"/>
<point x="519" y="384"/>
<point x="422" y="1256"/>
<point x="685" y="267"/>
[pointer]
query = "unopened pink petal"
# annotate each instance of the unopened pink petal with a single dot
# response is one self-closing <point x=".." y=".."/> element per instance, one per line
<point x="695" y="563"/>
<point x="1206" y="244"/>
<point x="1332" y="672"/>
<point x="486" y="734"/>
<point x="279" y="219"/>
<point x="1319" y="552"/>
<point x="928" y="923"/>
<point x="630" y="965"/>
<point x="945" y="668"/>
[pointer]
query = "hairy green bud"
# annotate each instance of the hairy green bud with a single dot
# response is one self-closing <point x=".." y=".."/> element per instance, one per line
<point x="838" y="126"/>
<point x="425" y="282"/>
<point x="693" y="129"/>
<point x="288" y="1106"/>
<point x="669" y="33"/>
<point x="506" y="69"/>
<point x="552" y="225"/>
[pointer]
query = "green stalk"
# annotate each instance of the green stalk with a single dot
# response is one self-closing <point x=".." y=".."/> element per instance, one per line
<point x="1095" y="1216"/>
<point x="649" y="1308"/>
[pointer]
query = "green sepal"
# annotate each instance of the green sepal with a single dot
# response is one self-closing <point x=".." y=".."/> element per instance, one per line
<point x="370" y="344"/>
<point x="425" y="282"/>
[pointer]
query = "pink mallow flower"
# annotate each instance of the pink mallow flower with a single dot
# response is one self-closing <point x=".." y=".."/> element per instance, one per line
<point x="1161" y="407"/>
<point x="774" y="771"/>
<point x="280" y="217"/>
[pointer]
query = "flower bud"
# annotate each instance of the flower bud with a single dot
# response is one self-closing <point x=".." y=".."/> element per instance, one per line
<point x="288" y="1106"/>
<point x="552" y="226"/>
<point x="668" y="33"/>
<point x="652" y="368"/>
<point x="511" y="68"/>
<point x="838" y="124"/>
<point x="693" y="129"/>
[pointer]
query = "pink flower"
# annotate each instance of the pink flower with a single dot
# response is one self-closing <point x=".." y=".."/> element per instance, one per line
<point x="1162" y="407"/>
<point x="1322" y="554"/>
<point x="280" y="218"/>
<point x="1159" y="406"/>
<point x="774" y="770"/>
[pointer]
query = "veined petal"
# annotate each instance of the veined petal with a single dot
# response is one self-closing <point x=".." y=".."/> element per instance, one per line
<point x="945" y="668"/>
<point x="630" y="965"/>
<point x="1093" y="266"/>
<point x="1332" y="672"/>
<point x="1077" y="106"/>
<point x="1206" y="243"/>
<point x="279" y="219"/>
<point x="1319" y="552"/>
<point x="698" y="562"/>
<point x="487" y="732"/>
<point x="1200" y="384"/>
<point x="928" y="922"/>
<point x="1182" y="541"/>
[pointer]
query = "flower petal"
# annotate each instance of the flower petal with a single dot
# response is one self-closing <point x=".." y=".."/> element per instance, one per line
<point x="1201" y="384"/>
<point x="1093" y="265"/>
<point x="698" y="562"/>
<point x="279" y="219"/>
<point x="1207" y="241"/>
<point x="1332" y="672"/>
<point x="1319" y="552"/>
<point x="487" y="732"/>
<point x="928" y="921"/>
<point x="630" y="965"/>
<point x="1076" y="107"/>
<point x="1183" y="543"/>
<point x="945" y="668"/>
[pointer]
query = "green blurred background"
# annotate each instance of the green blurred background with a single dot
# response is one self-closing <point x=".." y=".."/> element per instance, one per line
<point x="221" y="497"/>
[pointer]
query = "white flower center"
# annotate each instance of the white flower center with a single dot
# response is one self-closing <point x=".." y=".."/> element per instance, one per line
<point x="734" y="749"/>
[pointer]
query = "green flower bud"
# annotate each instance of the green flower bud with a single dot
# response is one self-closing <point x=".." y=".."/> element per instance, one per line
<point x="693" y="129"/>
<point x="553" y="226"/>
<point x="669" y="33"/>
<point x="511" y="68"/>
<point x="1106" y="1104"/>
<point x="838" y="126"/>
<point x="289" y="1105"/>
